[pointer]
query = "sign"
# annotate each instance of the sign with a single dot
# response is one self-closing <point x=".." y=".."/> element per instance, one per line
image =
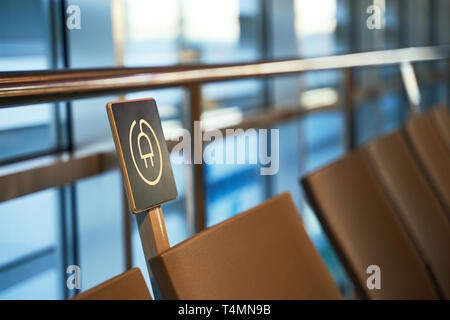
<point x="142" y="151"/>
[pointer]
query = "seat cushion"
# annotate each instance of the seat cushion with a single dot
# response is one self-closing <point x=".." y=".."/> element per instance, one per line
<point x="129" y="285"/>
<point x="263" y="253"/>
<point x="441" y="118"/>
<point x="433" y="155"/>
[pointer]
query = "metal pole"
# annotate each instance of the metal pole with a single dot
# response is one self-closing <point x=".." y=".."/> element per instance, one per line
<point x="412" y="88"/>
<point x="152" y="231"/>
<point x="349" y="108"/>
<point x="127" y="232"/>
<point x="195" y="98"/>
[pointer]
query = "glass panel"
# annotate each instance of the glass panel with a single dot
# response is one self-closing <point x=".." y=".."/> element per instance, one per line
<point x="315" y="24"/>
<point x="28" y="224"/>
<point x="90" y="123"/>
<point x="24" y="35"/>
<point x="25" y="45"/>
<point x="30" y="247"/>
<point x="43" y="286"/>
<point x="100" y="214"/>
<point x="92" y="45"/>
<point x="210" y="31"/>
<point x="232" y="188"/>
<point x="242" y="94"/>
<point x="99" y="206"/>
<point x="292" y="156"/>
<point x="26" y="130"/>
<point x="379" y="116"/>
<point x="151" y="41"/>
<point x="432" y="93"/>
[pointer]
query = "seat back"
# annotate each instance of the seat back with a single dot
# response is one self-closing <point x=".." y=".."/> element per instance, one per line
<point x="417" y="206"/>
<point x="129" y="285"/>
<point x="263" y="253"/>
<point x="441" y="117"/>
<point x="433" y="155"/>
<point x="365" y="230"/>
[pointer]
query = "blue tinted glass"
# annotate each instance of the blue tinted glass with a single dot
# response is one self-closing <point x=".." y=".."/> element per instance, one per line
<point x="25" y="45"/>
<point x="177" y="33"/>
<point x="232" y="187"/>
<point x="100" y="216"/>
<point x="28" y="224"/>
<point x="27" y="130"/>
<point x="42" y="286"/>
<point x="291" y="157"/>
<point x="24" y="35"/>
<point x="30" y="248"/>
<point x="324" y="146"/>
<point x="378" y="117"/>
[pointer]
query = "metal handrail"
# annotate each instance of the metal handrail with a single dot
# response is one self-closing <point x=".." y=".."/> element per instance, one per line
<point x="38" y="86"/>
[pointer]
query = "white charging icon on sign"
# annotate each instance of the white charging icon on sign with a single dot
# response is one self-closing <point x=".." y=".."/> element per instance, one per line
<point x="142" y="140"/>
<point x="150" y="155"/>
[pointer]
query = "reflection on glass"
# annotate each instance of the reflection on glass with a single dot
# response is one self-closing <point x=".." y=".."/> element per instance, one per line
<point x="43" y="286"/>
<point x="210" y="31"/>
<point x="28" y="224"/>
<point x="315" y="24"/>
<point x="232" y="188"/>
<point x="26" y="130"/>
<point x="29" y="240"/>
<point x="324" y="146"/>
<point x="380" y="116"/>
<point x="25" y="45"/>
<point x="100" y="216"/>
<point x="24" y="35"/>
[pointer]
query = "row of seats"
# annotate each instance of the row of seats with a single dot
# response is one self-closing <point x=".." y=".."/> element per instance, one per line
<point x="386" y="204"/>
<point x="263" y="253"/>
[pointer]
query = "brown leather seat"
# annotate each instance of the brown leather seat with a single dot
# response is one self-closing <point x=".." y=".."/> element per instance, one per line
<point x="365" y="230"/>
<point x="263" y="253"/>
<point x="433" y="154"/>
<point x="441" y="118"/>
<point x="129" y="285"/>
<point x="417" y="206"/>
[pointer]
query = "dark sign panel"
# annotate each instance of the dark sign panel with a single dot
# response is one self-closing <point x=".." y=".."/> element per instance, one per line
<point x="142" y="152"/>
